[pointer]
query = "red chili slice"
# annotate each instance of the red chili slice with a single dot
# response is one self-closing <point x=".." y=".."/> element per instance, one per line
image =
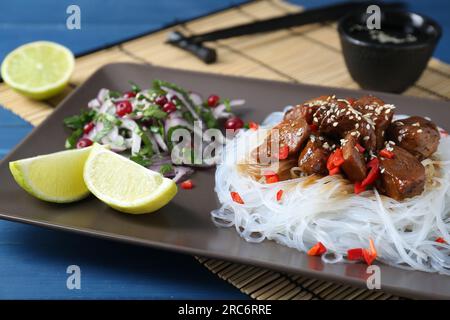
<point x="313" y="127"/>
<point x="440" y="240"/>
<point x="335" y="160"/>
<point x="279" y="195"/>
<point x="236" y="197"/>
<point x="386" y="154"/>
<point x="272" y="178"/>
<point x="334" y="171"/>
<point x="317" y="250"/>
<point x="283" y="152"/>
<point x="187" y="185"/>
<point x="369" y="258"/>
<point x="355" y="254"/>
<point x="360" y="148"/>
<point x="253" y="125"/>
<point x="359" y="188"/>
<point x="374" y="172"/>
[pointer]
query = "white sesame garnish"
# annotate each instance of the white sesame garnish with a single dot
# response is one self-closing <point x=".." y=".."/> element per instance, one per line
<point x="419" y="131"/>
<point x="335" y="124"/>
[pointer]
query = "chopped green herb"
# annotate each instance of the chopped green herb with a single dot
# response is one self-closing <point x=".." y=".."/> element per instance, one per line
<point x="78" y="121"/>
<point x="114" y="94"/>
<point x="155" y="112"/>
<point x="227" y="104"/>
<point x="134" y="87"/>
<point x="71" y="141"/>
<point x="140" y="159"/>
<point x="165" y="168"/>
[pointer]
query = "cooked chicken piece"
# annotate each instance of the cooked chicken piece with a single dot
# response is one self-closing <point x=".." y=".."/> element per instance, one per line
<point x="307" y="109"/>
<point x="313" y="158"/>
<point x="415" y="134"/>
<point x="402" y="177"/>
<point x="376" y="111"/>
<point x="290" y="133"/>
<point x="341" y="118"/>
<point x="354" y="165"/>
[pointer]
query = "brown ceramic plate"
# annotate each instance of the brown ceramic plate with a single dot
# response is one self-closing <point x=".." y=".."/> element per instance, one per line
<point x="185" y="225"/>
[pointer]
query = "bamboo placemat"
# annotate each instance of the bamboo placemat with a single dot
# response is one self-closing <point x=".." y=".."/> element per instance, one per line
<point x="308" y="54"/>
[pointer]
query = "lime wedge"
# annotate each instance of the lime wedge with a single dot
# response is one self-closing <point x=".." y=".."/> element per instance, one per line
<point x="125" y="185"/>
<point x="38" y="70"/>
<point x="56" y="177"/>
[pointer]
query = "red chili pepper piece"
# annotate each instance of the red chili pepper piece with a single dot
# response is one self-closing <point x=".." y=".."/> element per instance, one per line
<point x="334" y="171"/>
<point x="374" y="172"/>
<point x="386" y="154"/>
<point x="236" y="197"/>
<point x="279" y="195"/>
<point x="313" y="127"/>
<point x="253" y="125"/>
<point x="187" y="185"/>
<point x="272" y="178"/>
<point x="317" y="250"/>
<point x="359" y="188"/>
<point x="355" y="254"/>
<point x="351" y="100"/>
<point x="283" y="152"/>
<point x="368" y="257"/>
<point x="360" y="148"/>
<point x="335" y="160"/>
<point x="440" y="240"/>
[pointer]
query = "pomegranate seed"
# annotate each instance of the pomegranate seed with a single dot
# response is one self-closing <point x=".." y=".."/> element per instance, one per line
<point x="129" y="94"/>
<point x="161" y="100"/>
<point x="279" y="195"/>
<point x="187" y="185"/>
<point x="234" y="123"/>
<point x="88" y="127"/>
<point x="213" y="100"/>
<point x="83" y="143"/>
<point x="123" y="108"/>
<point x="169" y="107"/>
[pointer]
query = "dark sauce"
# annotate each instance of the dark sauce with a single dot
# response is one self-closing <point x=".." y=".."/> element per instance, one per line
<point x="389" y="34"/>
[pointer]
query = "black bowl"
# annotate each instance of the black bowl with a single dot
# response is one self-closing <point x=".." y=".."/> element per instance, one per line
<point x="397" y="61"/>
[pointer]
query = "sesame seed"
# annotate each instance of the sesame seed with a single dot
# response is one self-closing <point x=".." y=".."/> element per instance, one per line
<point x="419" y="131"/>
<point x="335" y="124"/>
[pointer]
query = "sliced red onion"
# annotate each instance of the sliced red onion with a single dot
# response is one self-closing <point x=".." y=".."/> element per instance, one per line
<point x="160" y="142"/>
<point x="94" y="103"/>
<point x="183" y="100"/>
<point x="154" y="144"/>
<point x="182" y="173"/>
<point x="176" y="119"/>
<point x="129" y="124"/>
<point x="237" y="102"/>
<point x="135" y="143"/>
<point x="196" y="98"/>
<point x="102" y="94"/>
<point x="219" y="112"/>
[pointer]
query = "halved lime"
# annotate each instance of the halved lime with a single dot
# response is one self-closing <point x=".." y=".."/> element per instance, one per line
<point x="39" y="69"/>
<point x="125" y="185"/>
<point x="56" y="177"/>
